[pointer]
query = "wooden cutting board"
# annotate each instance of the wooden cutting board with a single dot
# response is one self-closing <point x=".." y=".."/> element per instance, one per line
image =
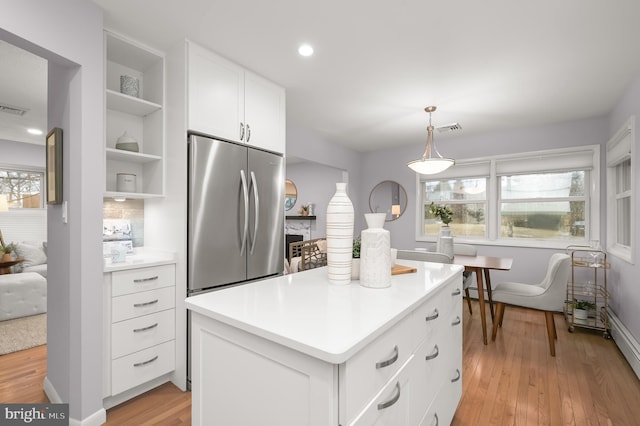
<point x="401" y="269"/>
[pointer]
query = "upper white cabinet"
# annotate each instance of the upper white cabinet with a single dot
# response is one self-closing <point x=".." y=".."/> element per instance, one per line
<point x="140" y="115"/>
<point x="229" y="102"/>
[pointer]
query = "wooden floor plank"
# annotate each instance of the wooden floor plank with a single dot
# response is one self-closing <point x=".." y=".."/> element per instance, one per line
<point x="512" y="381"/>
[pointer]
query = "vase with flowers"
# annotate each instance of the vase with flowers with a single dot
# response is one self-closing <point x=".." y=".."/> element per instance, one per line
<point x="444" y="243"/>
<point x="304" y="210"/>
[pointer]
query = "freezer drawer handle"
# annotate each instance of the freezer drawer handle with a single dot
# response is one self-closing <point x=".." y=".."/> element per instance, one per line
<point x="389" y="361"/>
<point x="138" y="330"/>
<point x="432" y="316"/>
<point x="241" y="131"/>
<point x="392" y="401"/>
<point x="140" y="305"/>
<point x="140" y="364"/>
<point x="433" y="355"/>
<point x="144" y="280"/>
<point x="456" y="292"/>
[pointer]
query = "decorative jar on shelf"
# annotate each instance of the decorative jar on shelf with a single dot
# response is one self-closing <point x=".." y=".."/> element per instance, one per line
<point x="375" y="253"/>
<point x="339" y="236"/>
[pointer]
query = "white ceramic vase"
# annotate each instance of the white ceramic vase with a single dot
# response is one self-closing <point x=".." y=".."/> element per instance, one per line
<point x="445" y="241"/>
<point x="339" y="236"/>
<point x="375" y="253"/>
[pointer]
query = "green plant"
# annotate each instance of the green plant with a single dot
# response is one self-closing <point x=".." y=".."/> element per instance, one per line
<point x="583" y="304"/>
<point x="444" y="213"/>
<point x="8" y="248"/>
<point x="356" y="248"/>
<point x="303" y="209"/>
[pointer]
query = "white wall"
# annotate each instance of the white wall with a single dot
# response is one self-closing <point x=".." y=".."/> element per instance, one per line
<point x="623" y="277"/>
<point x="68" y="33"/>
<point x="316" y="183"/>
<point x="20" y="153"/>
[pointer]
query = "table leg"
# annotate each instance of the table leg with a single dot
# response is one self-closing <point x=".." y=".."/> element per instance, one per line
<point x="487" y="280"/>
<point x="481" y="302"/>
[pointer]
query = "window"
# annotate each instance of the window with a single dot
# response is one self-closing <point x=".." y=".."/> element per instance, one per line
<point x="22" y="187"/>
<point x="534" y="199"/>
<point x="620" y="192"/>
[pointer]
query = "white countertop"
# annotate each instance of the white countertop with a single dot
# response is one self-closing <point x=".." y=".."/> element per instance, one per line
<point x="304" y="312"/>
<point x="142" y="257"/>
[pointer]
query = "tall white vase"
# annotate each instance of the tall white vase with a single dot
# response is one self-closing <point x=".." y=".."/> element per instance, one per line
<point x="339" y="236"/>
<point x="445" y="241"/>
<point x="375" y="253"/>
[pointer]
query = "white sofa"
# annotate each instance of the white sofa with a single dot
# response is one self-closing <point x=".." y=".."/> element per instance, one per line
<point x="24" y="292"/>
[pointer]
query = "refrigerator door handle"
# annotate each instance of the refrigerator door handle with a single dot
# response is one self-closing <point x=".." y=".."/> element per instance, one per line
<point x="245" y="196"/>
<point x="256" y="198"/>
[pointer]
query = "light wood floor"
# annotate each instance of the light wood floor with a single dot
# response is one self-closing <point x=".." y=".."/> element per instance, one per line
<point x="512" y="381"/>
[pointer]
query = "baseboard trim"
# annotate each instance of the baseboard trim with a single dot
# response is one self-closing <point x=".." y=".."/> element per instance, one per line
<point x="96" y="419"/>
<point x="625" y="341"/>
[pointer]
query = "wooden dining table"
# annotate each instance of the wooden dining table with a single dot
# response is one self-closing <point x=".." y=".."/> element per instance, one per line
<point x="481" y="265"/>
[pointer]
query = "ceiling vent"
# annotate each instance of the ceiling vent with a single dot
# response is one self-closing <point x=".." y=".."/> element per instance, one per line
<point x="449" y="128"/>
<point x="14" y="110"/>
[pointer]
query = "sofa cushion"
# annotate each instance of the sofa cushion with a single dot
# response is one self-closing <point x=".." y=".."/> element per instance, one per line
<point x="40" y="269"/>
<point x="33" y="254"/>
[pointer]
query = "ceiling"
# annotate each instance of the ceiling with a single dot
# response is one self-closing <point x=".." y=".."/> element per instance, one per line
<point x="488" y="65"/>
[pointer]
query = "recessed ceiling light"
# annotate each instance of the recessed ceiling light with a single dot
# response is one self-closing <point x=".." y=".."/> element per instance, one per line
<point x="37" y="132"/>
<point x="305" y="50"/>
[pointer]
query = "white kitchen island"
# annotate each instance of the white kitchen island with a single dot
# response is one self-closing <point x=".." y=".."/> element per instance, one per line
<point x="296" y="350"/>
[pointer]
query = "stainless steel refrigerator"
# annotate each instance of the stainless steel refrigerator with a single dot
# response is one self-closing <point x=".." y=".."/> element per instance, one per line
<point x="236" y="214"/>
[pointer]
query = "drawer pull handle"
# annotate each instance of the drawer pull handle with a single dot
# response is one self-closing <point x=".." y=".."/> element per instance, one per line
<point x="436" y="417"/>
<point x="143" y="280"/>
<point x="392" y="401"/>
<point x="138" y="330"/>
<point x="455" y="379"/>
<point x="435" y="353"/>
<point x="432" y="316"/>
<point x="456" y="292"/>
<point x="139" y="305"/>
<point x="140" y="364"/>
<point x="456" y="321"/>
<point x="389" y="361"/>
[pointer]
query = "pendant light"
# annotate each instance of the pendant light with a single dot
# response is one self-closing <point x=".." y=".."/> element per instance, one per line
<point x="430" y="164"/>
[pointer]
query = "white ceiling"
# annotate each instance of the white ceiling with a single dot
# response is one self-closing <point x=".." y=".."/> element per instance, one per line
<point x="488" y="65"/>
<point x="23" y="84"/>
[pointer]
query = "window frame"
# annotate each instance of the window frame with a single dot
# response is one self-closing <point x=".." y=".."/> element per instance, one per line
<point x="620" y="148"/>
<point x="537" y="162"/>
<point x="29" y="169"/>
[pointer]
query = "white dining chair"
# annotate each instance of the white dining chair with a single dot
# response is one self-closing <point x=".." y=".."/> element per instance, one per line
<point x="424" y="256"/>
<point x="547" y="296"/>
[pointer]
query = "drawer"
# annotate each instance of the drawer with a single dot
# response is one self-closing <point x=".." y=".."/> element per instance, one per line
<point x="142" y="279"/>
<point x="363" y="375"/>
<point x="433" y="314"/>
<point x="140" y="333"/>
<point x="429" y="375"/>
<point x="140" y="367"/>
<point x="392" y="405"/>
<point x="143" y="303"/>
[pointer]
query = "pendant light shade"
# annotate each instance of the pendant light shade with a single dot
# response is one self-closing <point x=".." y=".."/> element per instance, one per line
<point x="430" y="164"/>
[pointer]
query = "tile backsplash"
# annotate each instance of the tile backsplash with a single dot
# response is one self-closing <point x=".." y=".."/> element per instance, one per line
<point x="133" y="210"/>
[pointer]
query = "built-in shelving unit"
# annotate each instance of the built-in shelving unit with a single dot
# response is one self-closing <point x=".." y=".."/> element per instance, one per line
<point x="141" y="117"/>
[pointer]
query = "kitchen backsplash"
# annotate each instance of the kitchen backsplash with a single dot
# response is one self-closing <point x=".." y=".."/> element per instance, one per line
<point x="133" y="210"/>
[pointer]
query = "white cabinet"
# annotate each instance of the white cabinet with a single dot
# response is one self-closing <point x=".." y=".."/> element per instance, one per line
<point x="141" y="117"/>
<point x="408" y="375"/>
<point x="229" y="102"/>
<point x="139" y="330"/>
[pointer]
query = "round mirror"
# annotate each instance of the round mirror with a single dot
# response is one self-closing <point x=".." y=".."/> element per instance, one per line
<point x="388" y="197"/>
<point x="290" y="194"/>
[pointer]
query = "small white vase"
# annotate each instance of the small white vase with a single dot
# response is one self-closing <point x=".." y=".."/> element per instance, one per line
<point x="355" y="268"/>
<point x="339" y="236"/>
<point x="445" y="242"/>
<point x="375" y="253"/>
